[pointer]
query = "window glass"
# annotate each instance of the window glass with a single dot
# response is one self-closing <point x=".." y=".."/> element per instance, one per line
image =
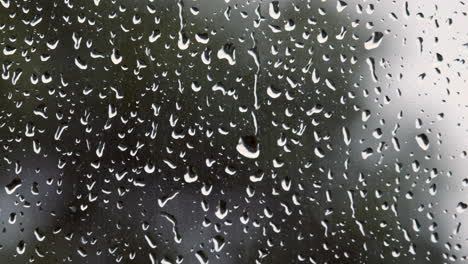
<point x="235" y="131"/>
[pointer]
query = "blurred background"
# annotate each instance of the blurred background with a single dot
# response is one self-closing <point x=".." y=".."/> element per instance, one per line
<point x="233" y="131"/>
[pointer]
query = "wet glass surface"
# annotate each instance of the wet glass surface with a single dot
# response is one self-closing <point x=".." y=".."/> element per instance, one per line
<point x="233" y="131"/>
